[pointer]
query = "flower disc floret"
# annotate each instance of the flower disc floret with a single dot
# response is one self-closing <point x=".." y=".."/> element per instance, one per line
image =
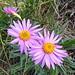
<point x="25" y="35"/>
<point x="48" y="47"/>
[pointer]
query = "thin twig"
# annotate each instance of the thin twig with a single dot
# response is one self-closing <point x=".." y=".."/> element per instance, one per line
<point x="3" y="70"/>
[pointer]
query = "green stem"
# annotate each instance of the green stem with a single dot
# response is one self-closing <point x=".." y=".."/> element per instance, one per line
<point x="26" y="62"/>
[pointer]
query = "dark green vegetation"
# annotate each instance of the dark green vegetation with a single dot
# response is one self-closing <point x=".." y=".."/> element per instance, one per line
<point x="57" y="15"/>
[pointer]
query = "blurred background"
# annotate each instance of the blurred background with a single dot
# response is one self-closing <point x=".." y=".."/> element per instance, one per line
<point x="57" y="15"/>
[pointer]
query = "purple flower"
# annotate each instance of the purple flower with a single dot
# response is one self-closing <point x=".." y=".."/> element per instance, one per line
<point x="10" y="10"/>
<point x="24" y="33"/>
<point x="46" y="51"/>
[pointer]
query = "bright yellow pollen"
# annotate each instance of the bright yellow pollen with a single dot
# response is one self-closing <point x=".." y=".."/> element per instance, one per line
<point x="25" y="35"/>
<point x="48" y="47"/>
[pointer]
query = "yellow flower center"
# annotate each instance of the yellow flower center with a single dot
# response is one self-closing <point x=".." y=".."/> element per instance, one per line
<point x="48" y="47"/>
<point x="25" y="35"/>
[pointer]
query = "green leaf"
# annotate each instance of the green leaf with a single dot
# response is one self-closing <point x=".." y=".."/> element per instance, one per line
<point x="13" y="55"/>
<point x="68" y="43"/>
<point x="54" y="72"/>
<point x="14" y="68"/>
<point x="70" y="48"/>
<point x="61" y="70"/>
<point x="69" y="62"/>
<point x="63" y="27"/>
<point x="29" y="66"/>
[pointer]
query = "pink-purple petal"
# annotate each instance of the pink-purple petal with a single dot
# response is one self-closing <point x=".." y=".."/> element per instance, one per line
<point x="40" y="35"/>
<point x="32" y="41"/>
<point x="33" y="51"/>
<point x="60" y="54"/>
<point x="20" y="25"/>
<point x="24" y="24"/>
<point x="52" y="59"/>
<point x="52" y="36"/>
<point x="36" y="54"/>
<point x="46" y="39"/>
<point x="17" y="10"/>
<point x="38" y="57"/>
<point x="28" y="24"/>
<point x="51" y="62"/>
<point x="43" y="62"/>
<point x="27" y="44"/>
<point x="19" y="43"/>
<point x="48" y="33"/>
<point x="60" y="51"/>
<point x="45" y="32"/>
<point x="12" y="33"/>
<point x="55" y="42"/>
<point x="34" y="27"/>
<point x="37" y="30"/>
<point x="17" y="26"/>
<point x="15" y="29"/>
<point x="22" y="46"/>
<point x="38" y="60"/>
<point x="56" y="58"/>
<point x="14" y="41"/>
<point x="58" y="46"/>
<point x="25" y="50"/>
<point x="47" y="60"/>
<point x="9" y="10"/>
<point x="55" y="37"/>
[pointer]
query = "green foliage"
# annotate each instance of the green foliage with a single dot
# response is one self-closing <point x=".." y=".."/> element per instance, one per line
<point x="69" y="62"/>
<point x="55" y="72"/>
<point x="69" y="43"/>
<point x="40" y="12"/>
<point x="61" y="70"/>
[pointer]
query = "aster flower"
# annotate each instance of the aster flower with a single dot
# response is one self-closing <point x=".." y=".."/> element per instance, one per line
<point x="46" y="51"/>
<point x="10" y="10"/>
<point x="24" y="33"/>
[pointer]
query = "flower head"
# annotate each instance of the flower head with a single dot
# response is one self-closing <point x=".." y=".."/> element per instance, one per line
<point x="24" y="33"/>
<point x="46" y="51"/>
<point x="10" y="10"/>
